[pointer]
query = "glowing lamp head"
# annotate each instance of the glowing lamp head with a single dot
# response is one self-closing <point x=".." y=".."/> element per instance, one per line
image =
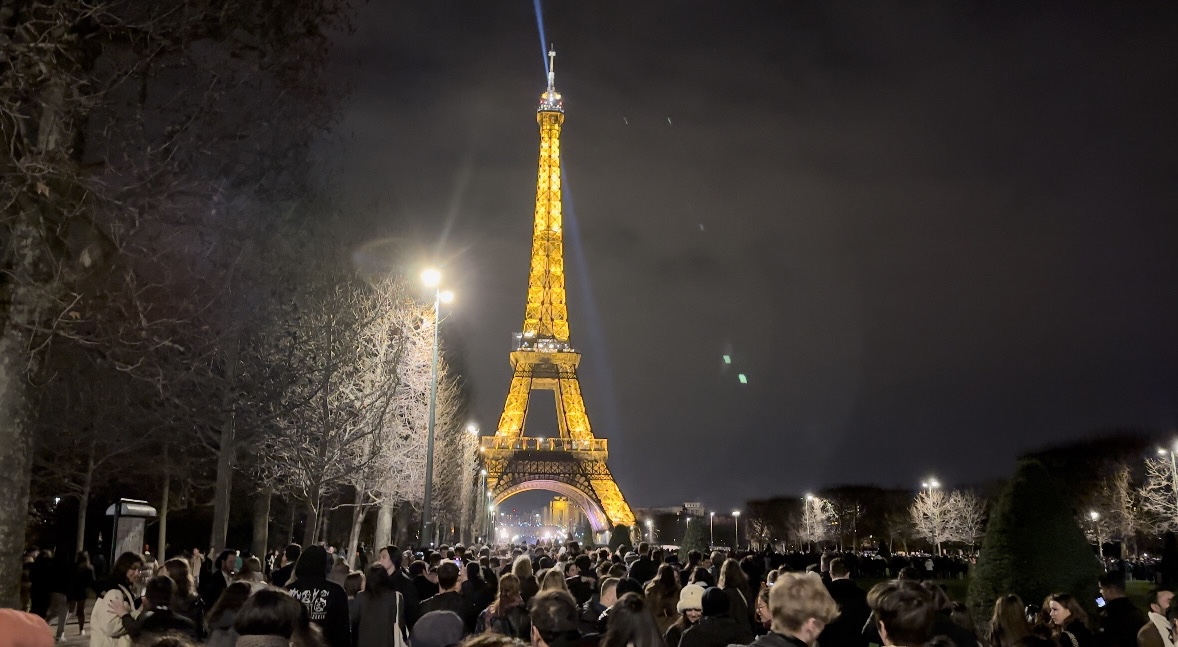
<point x="736" y="513"/>
<point x="1094" y="515"/>
<point x="431" y="278"/>
<point x="472" y="428"/>
<point x="446" y="296"/>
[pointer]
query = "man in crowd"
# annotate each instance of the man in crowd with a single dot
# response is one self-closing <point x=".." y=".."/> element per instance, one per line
<point x="280" y="577"/>
<point x="801" y="609"/>
<point x="1156" y="633"/>
<point x="643" y="569"/>
<point x="847" y="629"/>
<point x="554" y="620"/>
<point x="1119" y="619"/>
<point x="593" y="612"/>
<point x="449" y="597"/>
<point x="220" y="579"/>
<point x="902" y="611"/>
<point x="391" y="559"/>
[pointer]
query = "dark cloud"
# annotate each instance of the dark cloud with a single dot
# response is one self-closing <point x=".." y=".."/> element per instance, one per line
<point x="933" y="234"/>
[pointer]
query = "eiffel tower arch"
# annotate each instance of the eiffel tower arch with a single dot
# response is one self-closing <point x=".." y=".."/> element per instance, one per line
<point x="573" y="463"/>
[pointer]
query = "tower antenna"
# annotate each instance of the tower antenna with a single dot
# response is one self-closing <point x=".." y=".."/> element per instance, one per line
<point x="551" y="67"/>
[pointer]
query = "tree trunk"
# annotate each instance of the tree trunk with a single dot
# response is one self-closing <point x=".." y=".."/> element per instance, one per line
<point x="384" y="527"/>
<point x="261" y="522"/>
<point x="224" y="486"/>
<point x="404" y="518"/>
<point x="161" y="544"/>
<point x="16" y="435"/>
<point x="324" y="519"/>
<point x="84" y="499"/>
<point x="311" y="531"/>
<point x="290" y="524"/>
<point x="354" y="536"/>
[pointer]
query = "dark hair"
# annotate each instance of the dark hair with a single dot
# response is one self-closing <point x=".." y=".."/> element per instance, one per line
<point x="1067" y="601"/>
<point x="643" y="548"/>
<point x="354" y="583"/>
<point x="219" y="563"/>
<point x="905" y="610"/>
<point x="1009" y="622"/>
<point x="838" y="568"/>
<point x="160" y="590"/>
<point x="1151" y="598"/>
<point x="701" y="576"/>
<point x="447" y="574"/>
<point x="474" y="573"/>
<point x="1112" y="580"/>
<point x="292" y="553"/>
<point x="492" y="639"/>
<point x="312" y="564"/>
<point x="166" y="640"/>
<point x="693" y="557"/>
<point x="418" y="567"/>
<point x="554" y="615"/>
<point x="177" y="569"/>
<point x="125" y="562"/>
<point x="630" y="623"/>
<point x="394" y="555"/>
<point x="377" y="581"/>
<point x="731" y="576"/>
<point x="270" y="612"/>
<point x="234" y="596"/>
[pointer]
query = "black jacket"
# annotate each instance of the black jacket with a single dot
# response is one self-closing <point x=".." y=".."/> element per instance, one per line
<point x="448" y="601"/>
<point x="847" y="629"/>
<point x="1121" y="621"/>
<point x="590" y="618"/>
<point x="776" y="640"/>
<point x="327" y="605"/>
<point x="163" y="620"/>
<point x="281" y="576"/>
<point x="644" y="569"/>
<point x="716" y="631"/>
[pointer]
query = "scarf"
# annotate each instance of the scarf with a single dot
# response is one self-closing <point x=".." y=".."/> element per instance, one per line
<point x="1163" y="627"/>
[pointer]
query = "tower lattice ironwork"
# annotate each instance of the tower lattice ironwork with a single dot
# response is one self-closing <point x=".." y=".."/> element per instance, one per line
<point x="543" y="359"/>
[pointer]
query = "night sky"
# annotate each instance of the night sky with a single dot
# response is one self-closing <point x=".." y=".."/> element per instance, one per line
<point x="932" y="235"/>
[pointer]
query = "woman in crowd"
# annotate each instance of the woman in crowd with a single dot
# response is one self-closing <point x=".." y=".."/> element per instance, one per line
<point x="1069" y="621"/>
<point x="80" y="584"/>
<point x="251" y="572"/>
<point x="631" y="624"/>
<point x="272" y="618"/>
<point x="553" y="580"/>
<point x="106" y="626"/>
<point x="662" y="596"/>
<point x="224" y="613"/>
<point x="690" y="608"/>
<point x="522" y="569"/>
<point x="376" y="614"/>
<point x="507" y="615"/>
<point x="187" y="601"/>
<point x="1008" y="624"/>
<point x="735" y="584"/>
<point x="477" y="594"/>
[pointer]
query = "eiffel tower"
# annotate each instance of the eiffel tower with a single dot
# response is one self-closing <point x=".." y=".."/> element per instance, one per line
<point x="573" y="464"/>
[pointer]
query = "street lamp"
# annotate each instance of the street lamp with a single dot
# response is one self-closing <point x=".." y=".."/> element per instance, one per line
<point x="930" y="485"/>
<point x="711" y="529"/>
<point x="736" y="519"/>
<point x="1095" y="516"/>
<point x="432" y="278"/>
<point x="650" y="530"/>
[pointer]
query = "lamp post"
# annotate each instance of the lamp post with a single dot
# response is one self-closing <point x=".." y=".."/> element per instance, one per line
<point x="432" y="278"/>
<point x="711" y="529"/>
<point x="1095" y="517"/>
<point x="930" y="485"/>
<point x="650" y="531"/>
<point x="736" y="538"/>
<point x="480" y="516"/>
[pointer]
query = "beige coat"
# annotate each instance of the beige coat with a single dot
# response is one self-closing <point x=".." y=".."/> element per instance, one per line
<point x="106" y="629"/>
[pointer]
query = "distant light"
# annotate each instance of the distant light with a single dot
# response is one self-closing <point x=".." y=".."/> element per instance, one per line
<point x="446" y="296"/>
<point x="431" y="278"/>
<point x="742" y="378"/>
<point x="1094" y="514"/>
<point x="484" y="473"/>
<point x="727" y="359"/>
<point x="472" y="428"/>
<point x="736" y="513"/>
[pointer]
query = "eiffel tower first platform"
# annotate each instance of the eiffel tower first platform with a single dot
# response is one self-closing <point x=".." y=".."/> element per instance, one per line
<point x="573" y="464"/>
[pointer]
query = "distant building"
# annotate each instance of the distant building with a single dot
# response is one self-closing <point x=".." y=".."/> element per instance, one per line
<point x="562" y="514"/>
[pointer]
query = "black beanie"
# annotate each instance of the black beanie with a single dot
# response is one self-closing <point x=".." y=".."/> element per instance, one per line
<point x="715" y="602"/>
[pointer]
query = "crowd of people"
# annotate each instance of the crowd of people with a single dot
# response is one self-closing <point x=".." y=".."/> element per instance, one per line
<point x="562" y="596"/>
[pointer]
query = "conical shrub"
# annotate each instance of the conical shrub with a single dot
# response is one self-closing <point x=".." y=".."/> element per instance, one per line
<point x="1033" y="546"/>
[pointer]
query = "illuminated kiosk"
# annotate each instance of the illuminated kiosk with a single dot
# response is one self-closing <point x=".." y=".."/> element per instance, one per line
<point x="130" y="521"/>
<point x="572" y="464"/>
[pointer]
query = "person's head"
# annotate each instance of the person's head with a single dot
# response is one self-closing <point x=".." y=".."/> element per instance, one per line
<point x="1063" y="609"/>
<point x="251" y="569"/>
<point x="231" y="600"/>
<point x="177" y="569"/>
<point x="492" y="639"/>
<point x="838" y="569"/>
<point x="291" y="554"/>
<point x="418" y="568"/>
<point x="390" y="558"/>
<point x="226" y="561"/>
<point x="731" y="575"/>
<point x="667" y="577"/>
<point x="1112" y="585"/>
<point x="354" y="582"/>
<point x="800" y="606"/>
<point x="474" y="572"/>
<point x="702" y="576"/>
<point x="643" y="548"/>
<point x="126" y="568"/>
<point x="509" y="592"/>
<point x="448" y="573"/>
<point x="554" y="617"/>
<point x="693" y="557"/>
<point x="312" y="564"/>
<point x="1159" y="599"/>
<point x="553" y="580"/>
<point x="609" y="591"/>
<point x="437" y="629"/>
<point x="631" y="624"/>
<point x="1009" y="620"/>
<point x="902" y="611"/>
<point x="584" y="564"/>
<point x="159" y="591"/>
<point x="522" y="567"/>
<point x="715" y="602"/>
<point x="271" y="612"/>
<point x="691" y="602"/>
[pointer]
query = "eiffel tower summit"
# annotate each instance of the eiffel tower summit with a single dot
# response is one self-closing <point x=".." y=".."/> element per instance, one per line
<point x="572" y="464"/>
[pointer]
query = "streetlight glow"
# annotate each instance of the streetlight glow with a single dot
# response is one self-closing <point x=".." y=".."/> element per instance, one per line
<point x="1094" y="515"/>
<point x="446" y="296"/>
<point x="431" y="278"/>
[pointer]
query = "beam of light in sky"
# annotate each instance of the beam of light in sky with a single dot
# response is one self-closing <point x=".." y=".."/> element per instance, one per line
<point x="543" y="36"/>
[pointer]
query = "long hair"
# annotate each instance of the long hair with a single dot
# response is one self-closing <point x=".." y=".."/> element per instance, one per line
<point x="231" y="600"/>
<point x="509" y="595"/>
<point x="377" y="581"/>
<point x="177" y="569"/>
<point x="522" y="567"/>
<point x="553" y="580"/>
<point x="125" y="563"/>
<point x="662" y="592"/>
<point x="1008" y="624"/>
<point x="1067" y="601"/>
<point x="631" y="625"/>
<point x="731" y="576"/>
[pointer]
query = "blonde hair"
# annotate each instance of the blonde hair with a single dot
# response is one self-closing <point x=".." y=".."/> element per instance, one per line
<point x="522" y="567"/>
<point x="796" y="597"/>
<point x="553" y="580"/>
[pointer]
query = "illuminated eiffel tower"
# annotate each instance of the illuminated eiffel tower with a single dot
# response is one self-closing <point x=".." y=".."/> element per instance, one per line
<point x="573" y="464"/>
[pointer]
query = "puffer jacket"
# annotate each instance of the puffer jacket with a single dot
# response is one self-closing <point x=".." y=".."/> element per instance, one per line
<point x="106" y="628"/>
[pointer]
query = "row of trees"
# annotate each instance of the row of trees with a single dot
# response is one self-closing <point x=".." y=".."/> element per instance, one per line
<point x="181" y="316"/>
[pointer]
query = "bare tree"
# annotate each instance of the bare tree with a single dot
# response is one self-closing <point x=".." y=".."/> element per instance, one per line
<point x="1117" y="506"/>
<point x="968" y="515"/>
<point x="815" y="522"/>
<point x="1159" y="494"/>
<point x="931" y="516"/>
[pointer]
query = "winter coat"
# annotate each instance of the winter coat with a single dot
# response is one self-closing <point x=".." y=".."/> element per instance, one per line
<point x="777" y="640"/>
<point x="106" y="628"/>
<point x="327" y="605"/>
<point x="376" y="619"/>
<point x="738" y="608"/>
<point x="847" y="629"/>
<point x="513" y="622"/>
<point x="716" y="631"/>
